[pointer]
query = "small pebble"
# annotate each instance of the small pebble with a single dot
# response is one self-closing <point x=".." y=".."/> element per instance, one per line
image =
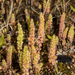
<point x="74" y="64"/>
<point x="72" y="60"/>
<point x="64" y="53"/>
<point x="68" y="67"/>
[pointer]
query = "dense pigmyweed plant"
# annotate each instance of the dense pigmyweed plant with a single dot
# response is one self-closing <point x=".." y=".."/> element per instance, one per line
<point x="29" y="44"/>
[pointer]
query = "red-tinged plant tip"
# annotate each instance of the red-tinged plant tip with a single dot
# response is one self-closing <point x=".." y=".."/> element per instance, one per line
<point x="26" y="61"/>
<point x="61" y="26"/>
<point x="71" y="34"/>
<point x="48" y="7"/>
<point x="52" y="50"/>
<point x="9" y="57"/>
<point x="41" y="28"/>
<point x="3" y="10"/>
<point x="40" y="32"/>
<point x="31" y="34"/>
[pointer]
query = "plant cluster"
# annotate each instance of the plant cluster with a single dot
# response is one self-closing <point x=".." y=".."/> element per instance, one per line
<point x="22" y="40"/>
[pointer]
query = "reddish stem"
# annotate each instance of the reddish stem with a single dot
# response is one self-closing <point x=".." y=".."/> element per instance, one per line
<point x="50" y="66"/>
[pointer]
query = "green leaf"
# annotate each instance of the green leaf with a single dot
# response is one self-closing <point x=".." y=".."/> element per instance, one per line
<point x="72" y="8"/>
<point x="67" y="41"/>
<point x="28" y="22"/>
<point x="60" y="66"/>
<point x="46" y="26"/>
<point x="0" y="56"/>
<point x="37" y="22"/>
<point x="56" y="68"/>
<point x="49" y="37"/>
<point x="35" y="72"/>
<point x="1" y="40"/>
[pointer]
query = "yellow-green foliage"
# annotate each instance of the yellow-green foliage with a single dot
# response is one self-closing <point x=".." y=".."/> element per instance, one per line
<point x="64" y="36"/>
<point x="57" y="40"/>
<point x="39" y="67"/>
<point x="4" y="30"/>
<point x="48" y="23"/>
<point x="65" y="33"/>
<point x="71" y="34"/>
<point x="63" y="42"/>
<point x="1" y="39"/>
<point x="40" y="6"/>
<point x="26" y="60"/>
<point x="35" y="60"/>
<point x="4" y="64"/>
<point x="52" y="49"/>
<point x="9" y="56"/>
<point x="17" y="74"/>
<point x="12" y="18"/>
<point x="35" y="56"/>
<point x="20" y="37"/>
<point x="8" y="38"/>
<point x="28" y="53"/>
<point x="50" y="19"/>
<point x="33" y="51"/>
<point x="44" y="4"/>
<point x="21" y="59"/>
